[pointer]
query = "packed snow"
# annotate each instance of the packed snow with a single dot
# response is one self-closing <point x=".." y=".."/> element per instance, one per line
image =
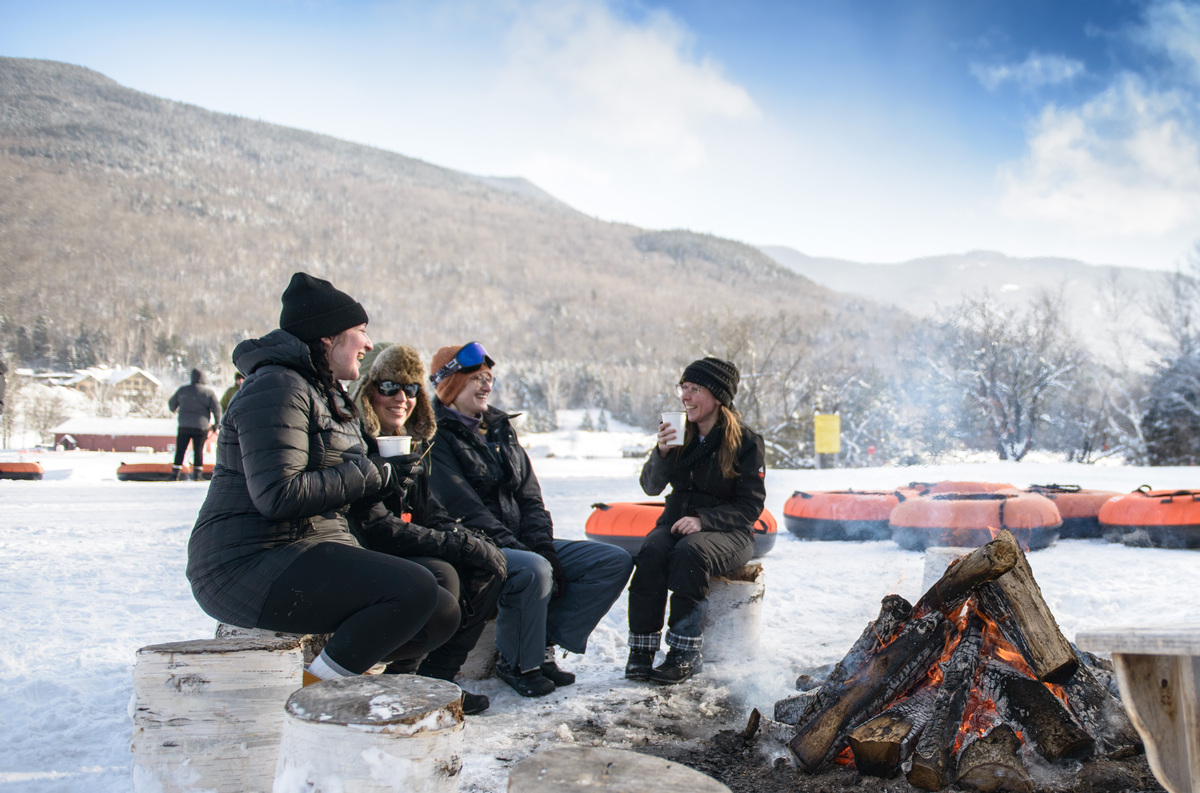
<point x="94" y="569"/>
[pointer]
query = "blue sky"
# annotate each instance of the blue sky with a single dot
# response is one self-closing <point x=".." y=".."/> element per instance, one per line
<point x="872" y="130"/>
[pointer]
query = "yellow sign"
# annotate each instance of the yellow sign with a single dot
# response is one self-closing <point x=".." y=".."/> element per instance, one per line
<point x="827" y="433"/>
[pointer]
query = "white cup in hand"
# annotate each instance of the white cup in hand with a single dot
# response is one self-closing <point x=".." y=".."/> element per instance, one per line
<point x="676" y="419"/>
<point x="394" y="445"/>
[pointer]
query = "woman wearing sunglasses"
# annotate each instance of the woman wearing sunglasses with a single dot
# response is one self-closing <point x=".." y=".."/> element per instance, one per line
<point x="272" y="546"/>
<point x="392" y="401"/>
<point x="706" y="528"/>
<point x="557" y="591"/>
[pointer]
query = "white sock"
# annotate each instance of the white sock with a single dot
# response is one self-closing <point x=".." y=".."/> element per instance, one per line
<point x="325" y="668"/>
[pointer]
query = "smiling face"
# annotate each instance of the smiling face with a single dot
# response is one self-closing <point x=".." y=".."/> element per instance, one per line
<point x="701" y="406"/>
<point x="392" y="411"/>
<point x="473" y="399"/>
<point x="346" y="350"/>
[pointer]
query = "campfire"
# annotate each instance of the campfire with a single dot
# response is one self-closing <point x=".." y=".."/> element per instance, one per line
<point x="973" y="685"/>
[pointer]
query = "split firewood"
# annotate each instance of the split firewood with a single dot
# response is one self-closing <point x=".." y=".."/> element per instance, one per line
<point x="1043" y="718"/>
<point x="991" y="763"/>
<point x="1100" y="713"/>
<point x="931" y="762"/>
<point x="887" y="740"/>
<point x="893" y="611"/>
<point x="1014" y="601"/>
<point x="887" y="675"/>
<point x="985" y="563"/>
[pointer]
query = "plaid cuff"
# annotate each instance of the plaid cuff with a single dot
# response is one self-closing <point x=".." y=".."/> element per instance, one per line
<point x="685" y="643"/>
<point x="646" y="642"/>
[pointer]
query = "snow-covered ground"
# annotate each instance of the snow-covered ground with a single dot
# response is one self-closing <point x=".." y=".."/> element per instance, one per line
<point x="92" y="569"/>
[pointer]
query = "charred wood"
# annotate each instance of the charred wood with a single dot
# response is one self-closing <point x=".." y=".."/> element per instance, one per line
<point x="1101" y="714"/>
<point x="887" y="740"/>
<point x="985" y="563"/>
<point x="888" y="674"/>
<point x="1015" y="602"/>
<point x="1042" y="717"/>
<point x="793" y="709"/>
<point x="931" y="762"/>
<point x="991" y="763"/>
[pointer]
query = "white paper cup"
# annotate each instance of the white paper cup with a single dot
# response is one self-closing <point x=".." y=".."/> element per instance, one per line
<point x="394" y="445"/>
<point x="676" y="419"/>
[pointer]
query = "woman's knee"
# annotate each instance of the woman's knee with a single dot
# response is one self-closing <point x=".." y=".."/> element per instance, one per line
<point x="529" y="574"/>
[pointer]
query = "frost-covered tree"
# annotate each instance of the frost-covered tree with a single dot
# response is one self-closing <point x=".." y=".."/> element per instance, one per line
<point x="1008" y="366"/>
<point x="1171" y="425"/>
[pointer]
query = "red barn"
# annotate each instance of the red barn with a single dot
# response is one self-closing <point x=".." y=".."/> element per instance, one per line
<point x="122" y="435"/>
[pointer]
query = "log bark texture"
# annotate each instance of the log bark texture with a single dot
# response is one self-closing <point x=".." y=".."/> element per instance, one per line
<point x="985" y="563"/>
<point x="884" y="677"/>
<point x="1043" y="718"/>
<point x="931" y="762"/>
<point x="1100" y="713"/>
<point x="1015" y="602"/>
<point x="887" y="740"/>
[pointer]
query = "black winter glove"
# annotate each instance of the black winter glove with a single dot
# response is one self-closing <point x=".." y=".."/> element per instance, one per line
<point x="481" y="554"/>
<point x="405" y="467"/>
<point x="560" y="576"/>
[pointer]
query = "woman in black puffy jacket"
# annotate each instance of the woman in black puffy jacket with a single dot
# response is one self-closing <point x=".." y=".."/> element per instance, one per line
<point x="706" y="528"/>
<point x="271" y="547"/>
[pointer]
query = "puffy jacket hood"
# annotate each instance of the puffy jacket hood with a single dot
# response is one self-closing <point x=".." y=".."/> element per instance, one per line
<point x="278" y="347"/>
<point x="197" y="377"/>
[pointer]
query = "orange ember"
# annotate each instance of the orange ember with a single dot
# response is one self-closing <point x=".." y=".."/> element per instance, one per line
<point x="845" y="758"/>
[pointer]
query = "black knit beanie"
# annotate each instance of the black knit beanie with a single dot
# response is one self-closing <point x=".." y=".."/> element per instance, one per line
<point x="719" y="377"/>
<point x="314" y="309"/>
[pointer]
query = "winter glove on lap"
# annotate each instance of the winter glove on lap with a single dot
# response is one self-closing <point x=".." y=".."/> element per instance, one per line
<point x="481" y="554"/>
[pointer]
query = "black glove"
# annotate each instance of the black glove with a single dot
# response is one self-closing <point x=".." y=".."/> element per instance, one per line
<point x="387" y="475"/>
<point x="480" y="554"/>
<point x="556" y="570"/>
<point x="406" y="467"/>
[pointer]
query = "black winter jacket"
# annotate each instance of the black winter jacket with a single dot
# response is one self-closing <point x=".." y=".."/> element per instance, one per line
<point x="488" y="482"/>
<point x="699" y="490"/>
<point x="195" y="404"/>
<point x="286" y="475"/>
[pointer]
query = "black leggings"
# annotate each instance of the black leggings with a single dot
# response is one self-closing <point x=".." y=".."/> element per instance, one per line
<point x="374" y="604"/>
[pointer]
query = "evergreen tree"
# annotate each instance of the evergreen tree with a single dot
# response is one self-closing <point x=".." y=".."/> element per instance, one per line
<point x="1171" y="425"/>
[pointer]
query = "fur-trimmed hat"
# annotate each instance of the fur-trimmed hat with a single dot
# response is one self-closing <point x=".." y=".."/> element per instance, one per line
<point x="400" y="364"/>
<point x="718" y="376"/>
<point x="313" y="309"/>
<point x="452" y="385"/>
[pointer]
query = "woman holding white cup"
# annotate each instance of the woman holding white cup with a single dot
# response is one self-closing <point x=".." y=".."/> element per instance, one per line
<point x="715" y="468"/>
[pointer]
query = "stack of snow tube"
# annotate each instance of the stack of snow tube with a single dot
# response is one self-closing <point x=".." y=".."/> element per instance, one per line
<point x="626" y="524"/>
<point x="1079" y="508"/>
<point x="21" y="470"/>
<point x="1158" y="518"/>
<point x="854" y="515"/>
<point x="968" y="520"/>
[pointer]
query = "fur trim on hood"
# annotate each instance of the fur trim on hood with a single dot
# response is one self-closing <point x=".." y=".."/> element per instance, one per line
<point x="400" y="364"/>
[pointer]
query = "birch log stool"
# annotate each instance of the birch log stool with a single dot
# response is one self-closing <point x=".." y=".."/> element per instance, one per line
<point x="370" y="734"/>
<point x="732" y="626"/>
<point x="1158" y="671"/>
<point x="310" y="643"/>
<point x="587" y="769"/>
<point x="207" y="714"/>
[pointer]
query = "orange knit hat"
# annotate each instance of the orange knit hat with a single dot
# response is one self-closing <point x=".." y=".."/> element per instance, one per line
<point x="450" y="385"/>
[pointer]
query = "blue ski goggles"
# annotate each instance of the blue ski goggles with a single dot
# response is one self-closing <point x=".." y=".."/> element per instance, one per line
<point x="468" y="359"/>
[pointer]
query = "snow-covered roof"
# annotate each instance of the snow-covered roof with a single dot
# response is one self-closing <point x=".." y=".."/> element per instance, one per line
<point x="113" y="376"/>
<point x="124" y="426"/>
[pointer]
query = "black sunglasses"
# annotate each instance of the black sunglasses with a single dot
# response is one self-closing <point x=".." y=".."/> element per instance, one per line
<point x="388" y="388"/>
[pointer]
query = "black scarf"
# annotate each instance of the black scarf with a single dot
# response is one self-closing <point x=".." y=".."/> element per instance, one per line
<point x="701" y="450"/>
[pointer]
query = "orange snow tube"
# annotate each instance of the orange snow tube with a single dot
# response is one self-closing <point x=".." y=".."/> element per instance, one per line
<point x="157" y="472"/>
<point x="21" y="471"/>
<point x="1080" y="509"/>
<point x="968" y="520"/>
<point x="626" y="524"/>
<point x="936" y="488"/>
<point x="857" y="515"/>
<point x="1160" y="518"/>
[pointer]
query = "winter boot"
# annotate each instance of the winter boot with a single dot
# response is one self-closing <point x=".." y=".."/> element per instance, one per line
<point x="528" y="684"/>
<point x="177" y="473"/>
<point x="471" y="703"/>
<point x="640" y="665"/>
<point x="679" y="666"/>
<point x="551" y="672"/>
<point x="474" y="703"/>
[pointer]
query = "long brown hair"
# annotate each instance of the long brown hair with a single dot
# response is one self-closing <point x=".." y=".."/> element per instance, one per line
<point x="335" y="395"/>
<point x="731" y="440"/>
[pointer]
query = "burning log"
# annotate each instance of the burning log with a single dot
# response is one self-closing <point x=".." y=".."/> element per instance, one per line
<point x="1043" y="718"/>
<point x="991" y="763"/>
<point x="1014" y="601"/>
<point x="931" y="763"/>
<point x="1100" y="713"/>
<point x="889" y="673"/>
<point x="886" y="741"/>
<point x="982" y="565"/>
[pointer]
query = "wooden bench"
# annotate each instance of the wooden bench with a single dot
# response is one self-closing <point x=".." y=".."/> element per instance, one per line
<point x="1158" y="671"/>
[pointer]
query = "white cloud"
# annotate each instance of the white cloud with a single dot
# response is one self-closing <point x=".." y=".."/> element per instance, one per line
<point x="1174" y="29"/>
<point x="631" y="86"/>
<point x="1036" y="70"/>
<point x="1125" y="163"/>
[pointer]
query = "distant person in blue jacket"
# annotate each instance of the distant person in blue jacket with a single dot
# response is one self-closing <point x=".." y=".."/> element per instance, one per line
<point x="196" y="404"/>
